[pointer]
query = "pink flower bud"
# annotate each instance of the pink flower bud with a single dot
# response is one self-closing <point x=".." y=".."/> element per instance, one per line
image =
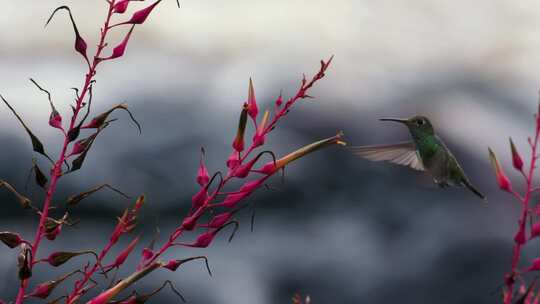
<point x="502" y="180"/>
<point x="220" y="220"/>
<point x="519" y="238"/>
<point x="202" y="173"/>
<point x="238" y="142"/>
<point x="121" y="258"/>
<point x="199" y="198"/>
<point x="233" y="199"/>
<point x="147" y="254"/>
<point x="253" y="110"/>
<point x="535" y="230"/>
<point x="190" y="222"/>
<point x="535" y="265"/>
<point x="258" y="138"/>
<point x="279" y="101"/>
<point x="252" y="185"/>
<point x="43" y="290"/>
<point x="234" y="160"/>
<point x="242" y="171"/>
<point x="517" y="161"/>
<point x="204" y="239"/>
<point x="55" y="120"/>
<point x="120" y="49"/>
<point x="173" y="265"/>
<point x="140" y="16"/>
<point x="121" y="6"/>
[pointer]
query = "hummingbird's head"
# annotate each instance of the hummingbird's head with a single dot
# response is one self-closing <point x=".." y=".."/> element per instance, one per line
<point x="418" y="125"/>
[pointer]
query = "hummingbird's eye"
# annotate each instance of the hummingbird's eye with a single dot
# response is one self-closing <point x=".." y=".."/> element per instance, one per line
<point x="420" y="122"/>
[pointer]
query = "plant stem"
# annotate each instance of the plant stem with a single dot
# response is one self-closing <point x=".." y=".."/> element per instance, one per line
<point x="524" y="214"/>
<point x="56" y="171"/>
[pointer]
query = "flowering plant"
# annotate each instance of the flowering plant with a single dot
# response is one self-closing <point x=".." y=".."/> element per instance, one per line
<point x="529" y="214"/>
<point x="213" y="207"/>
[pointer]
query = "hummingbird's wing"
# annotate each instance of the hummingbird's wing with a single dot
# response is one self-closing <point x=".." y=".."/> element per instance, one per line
<point x="404" y="154"/>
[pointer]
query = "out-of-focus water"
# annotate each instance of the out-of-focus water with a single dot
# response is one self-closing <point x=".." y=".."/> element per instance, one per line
<point x="340" y="229"/>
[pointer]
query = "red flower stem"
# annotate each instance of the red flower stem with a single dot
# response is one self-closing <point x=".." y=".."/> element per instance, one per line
<point x="79" y="286"/>
<point x="56" y="171"/>
<point x="524" y="215"/>
<point x="301" y="93"/>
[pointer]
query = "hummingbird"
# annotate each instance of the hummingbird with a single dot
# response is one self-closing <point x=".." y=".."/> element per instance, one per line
<point x="426" y="152"/>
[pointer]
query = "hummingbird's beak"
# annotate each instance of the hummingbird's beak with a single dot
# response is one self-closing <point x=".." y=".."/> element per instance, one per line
<point x="394" y="119"/>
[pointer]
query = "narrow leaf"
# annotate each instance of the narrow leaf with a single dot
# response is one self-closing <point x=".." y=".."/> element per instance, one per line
<point x="80" y="44"/>
<point x="36" y="143"/>
<point x="23" y="200"/>
<point x="75" y="199"/>
<point x="58" y="258"/>
<point x="101" y="119"/>
<point x="41" y="179"/>
<point x="10" y="239"/>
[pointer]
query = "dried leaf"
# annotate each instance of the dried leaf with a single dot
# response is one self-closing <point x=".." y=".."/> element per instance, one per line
<point x="23" y="200"/>
<point x="11" y="239"/>
<point x="101" y="119"/>
<point x="36" y="143"/>
<point x="55" y="120"/>
<point x="58" y="258"/>
<point x="24" y="261"/>
<point x="80" y="44"/>
<point x="41" y="179"/>
<point x="77" y="163"/>
<point x="75" y="199"/>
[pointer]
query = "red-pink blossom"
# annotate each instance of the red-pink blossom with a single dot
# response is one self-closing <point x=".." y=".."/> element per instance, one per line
<point x="55" y="120"/>
<point x="120" y="49"/>
<point x="517" y="161"/>
<point x="121" y="6"/>
<point x="202" y="173"/>
<point x="140" y="16"/>
<point x="535" y="230"/>
<point x="253" y="110"/>
<point x="535" y="266"/>
<point x="234" y="160"/>
<point x="502" y="180"/>
<point x="238" y="142"/>
<point x="260" y="133"/>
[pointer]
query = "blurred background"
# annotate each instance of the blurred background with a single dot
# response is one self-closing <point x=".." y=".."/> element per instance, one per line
<point x="340" y="229"/>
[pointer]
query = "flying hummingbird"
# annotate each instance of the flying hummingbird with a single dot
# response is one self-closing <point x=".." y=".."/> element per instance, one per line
<point x="426" y="152"/>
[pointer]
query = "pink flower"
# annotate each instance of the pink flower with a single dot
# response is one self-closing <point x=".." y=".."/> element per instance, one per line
<point x="243" y="170"/>
<point x="202" y="173"/>
<point x="535" y="265"/>
<point x="121" y="6"/>
<point x="238" y="142"/>
<point x="535" y="230"/>
<point x="253" y="110"/>
<point x="517" y="161"/>
<point x="234" y="160"/>
<point x="220" y="220"/>
<point x="258" y="138"/>
<point x="55" y="120"/>
<point x="140" y="16"/>
<point x="121" y="258"/>
<point x="502" y="180"/>
<point x="120" y="49"/>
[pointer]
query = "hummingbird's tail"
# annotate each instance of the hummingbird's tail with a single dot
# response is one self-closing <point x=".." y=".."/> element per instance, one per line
<point x="469" y="186"/>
